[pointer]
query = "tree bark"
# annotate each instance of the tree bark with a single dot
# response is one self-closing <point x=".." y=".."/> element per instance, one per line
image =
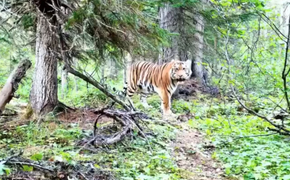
<point x="170" y="20"/>
<point x="7" y="92"/>
<point x="197" y="68"/>
<point x="43" y="95"/>
<point x="178" y="20"/>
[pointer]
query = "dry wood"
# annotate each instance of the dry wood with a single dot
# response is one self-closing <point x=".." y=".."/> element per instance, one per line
<point x="97" y="85"/>
<point x="126" y="119"/>
<point x="123" y="125"/>
<point x="7" y="92"/>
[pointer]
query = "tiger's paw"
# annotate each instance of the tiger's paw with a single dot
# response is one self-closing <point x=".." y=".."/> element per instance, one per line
<point x="169" y="116"/>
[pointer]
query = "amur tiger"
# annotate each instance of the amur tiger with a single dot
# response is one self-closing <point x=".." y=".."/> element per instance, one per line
<point x="147" y="77"/>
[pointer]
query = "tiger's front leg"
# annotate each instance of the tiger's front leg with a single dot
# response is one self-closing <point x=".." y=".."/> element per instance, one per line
<point x="166" y="105"/>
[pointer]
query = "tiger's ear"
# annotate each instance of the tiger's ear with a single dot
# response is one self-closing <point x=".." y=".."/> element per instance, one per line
<point x="188" y="63"/>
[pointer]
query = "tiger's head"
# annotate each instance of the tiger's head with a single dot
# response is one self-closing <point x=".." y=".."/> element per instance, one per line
<point x="181" y="70"/>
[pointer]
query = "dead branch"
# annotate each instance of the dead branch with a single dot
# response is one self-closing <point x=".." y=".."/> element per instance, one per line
<point x="17" y="160"/>
<point x="97" y="85"/>
<point x="101" y="140"/>
<point x="37" y="166"/>
<point x="7" y="92"/>
<point x="123" y="125"/>
<point x="49" y="170"/>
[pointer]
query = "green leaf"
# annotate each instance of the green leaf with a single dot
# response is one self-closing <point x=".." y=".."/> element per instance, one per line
<point x="37" y="157"/>
<point x="27" y="168"/>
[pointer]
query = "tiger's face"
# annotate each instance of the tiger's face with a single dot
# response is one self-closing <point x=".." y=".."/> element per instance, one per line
<point x="181" y="70"/>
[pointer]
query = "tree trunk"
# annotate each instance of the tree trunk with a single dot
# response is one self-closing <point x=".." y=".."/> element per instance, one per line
<point x="170" y="20"/>
<point x="7" y="92"/>
<point x="197" y="69"/>
<point x="43" y="95"/>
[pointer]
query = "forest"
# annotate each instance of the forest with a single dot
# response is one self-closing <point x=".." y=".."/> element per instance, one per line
<point x="73" y="101"/>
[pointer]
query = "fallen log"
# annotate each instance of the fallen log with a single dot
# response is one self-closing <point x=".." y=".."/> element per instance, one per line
<point x="7" y="92"/>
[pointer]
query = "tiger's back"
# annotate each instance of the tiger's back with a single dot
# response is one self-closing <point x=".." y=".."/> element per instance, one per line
<point x="147" y="77"/>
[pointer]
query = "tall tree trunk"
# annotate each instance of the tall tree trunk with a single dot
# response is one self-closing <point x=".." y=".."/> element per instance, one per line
<point x="197" y="68"/>
<point x="43" y="95"/>
<point x="173" y="20"/>
<point x="169" y="19"/>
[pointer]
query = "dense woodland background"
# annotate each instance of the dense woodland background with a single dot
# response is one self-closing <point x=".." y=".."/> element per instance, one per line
<point x="234" y="121"/>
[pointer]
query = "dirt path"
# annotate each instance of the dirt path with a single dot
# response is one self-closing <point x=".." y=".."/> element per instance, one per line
<point x="193" y="155"/>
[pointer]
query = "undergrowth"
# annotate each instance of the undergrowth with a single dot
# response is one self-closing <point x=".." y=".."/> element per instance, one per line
<point x="242" y="141"/>
<point x="134" y="158"/>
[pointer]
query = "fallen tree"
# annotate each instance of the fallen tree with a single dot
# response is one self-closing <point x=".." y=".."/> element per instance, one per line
<point x="7" y="92"/>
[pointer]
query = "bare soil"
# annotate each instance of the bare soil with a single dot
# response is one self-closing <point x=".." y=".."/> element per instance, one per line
<point x="193" y="154"/>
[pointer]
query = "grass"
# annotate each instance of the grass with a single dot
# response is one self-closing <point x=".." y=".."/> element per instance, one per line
<point x="235" y="134"/>
<point x="243" y="143"/>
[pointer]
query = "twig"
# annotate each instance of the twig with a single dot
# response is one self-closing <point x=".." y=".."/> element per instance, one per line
<point x="83" y="175"/>
<point x="273" y="26"/>
<point x="286" y="131"/>
<point x="11" y="157"/>
<point x="29" y="164"/>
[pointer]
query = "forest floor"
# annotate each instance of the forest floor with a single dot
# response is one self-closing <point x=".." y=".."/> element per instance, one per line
<point x="218" y="140"/>
<point x="188" y="151"/>
<point x="193" y="152"/>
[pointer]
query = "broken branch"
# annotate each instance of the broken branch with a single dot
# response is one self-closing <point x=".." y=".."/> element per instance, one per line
<point x="7" y="92"/>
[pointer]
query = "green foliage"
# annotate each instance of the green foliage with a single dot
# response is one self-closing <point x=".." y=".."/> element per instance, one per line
<point x="133" y="159"/>
<point x="27" y="168"/>
<point x="236" y="135"/>
<point x="28" y="20"/>
<point x="181" y="106"/>
<point x="37" y="157"/>
<point x="4" y="169"/>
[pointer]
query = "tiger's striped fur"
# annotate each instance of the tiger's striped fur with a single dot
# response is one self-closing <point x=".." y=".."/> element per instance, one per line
<point x="147" y="77"/>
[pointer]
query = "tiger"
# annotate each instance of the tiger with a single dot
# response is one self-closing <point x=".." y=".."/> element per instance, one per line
<point x="147" y="77"/>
